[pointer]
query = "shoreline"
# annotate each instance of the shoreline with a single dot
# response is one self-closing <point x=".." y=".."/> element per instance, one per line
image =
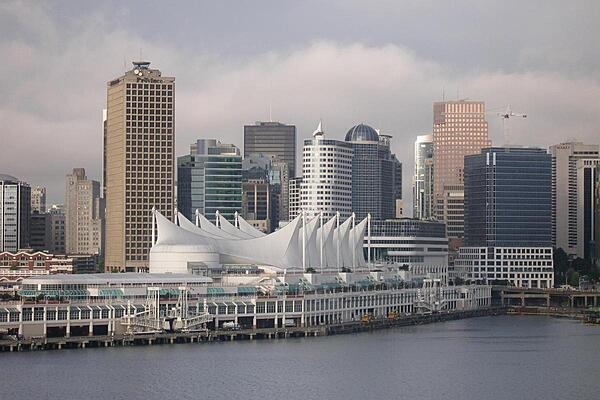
<point x="76" y="342"/>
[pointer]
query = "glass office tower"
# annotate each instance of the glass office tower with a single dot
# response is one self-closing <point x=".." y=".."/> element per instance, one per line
<point x="508" y="197"/>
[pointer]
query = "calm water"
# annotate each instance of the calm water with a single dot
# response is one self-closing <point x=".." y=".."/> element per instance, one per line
<point x="507" y="357"/>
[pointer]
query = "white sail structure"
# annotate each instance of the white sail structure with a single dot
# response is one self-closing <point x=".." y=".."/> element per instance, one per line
<point x="229" y="228"/>
<point x="246" y="227"/>
<point x="210" y="228"/>
<point x="183" y="247"/>
<point x="356" y="238"/>
<point x="326" y="244"/>
<point x="312" y="255"/>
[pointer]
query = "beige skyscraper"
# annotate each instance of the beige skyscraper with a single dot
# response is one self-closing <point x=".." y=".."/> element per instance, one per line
<point x="459" y="129"/>
<point x="83" y="214"/>
<point x="572" y="188"/>
<point x="139" y="162"/>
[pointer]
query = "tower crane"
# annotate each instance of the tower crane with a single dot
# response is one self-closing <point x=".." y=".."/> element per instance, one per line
<point x="508" y="114"/>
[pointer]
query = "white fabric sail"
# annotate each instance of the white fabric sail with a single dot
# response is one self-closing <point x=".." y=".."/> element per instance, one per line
<point x="327" y="232"/>
<point x="246" y="227"/>
<point x="356" y="239"/>
<point x="312" y="255"/>
<point x="231" y="229"/>
<point x="211" y="228"/>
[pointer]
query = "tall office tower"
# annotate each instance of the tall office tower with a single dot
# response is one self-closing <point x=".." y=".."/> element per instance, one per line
<point x="459" y="129"/>
<point x="597" y="217"/>
<point x="294" y="197"/>
<point x="272" y="139"/>
<point x="326" y="177"/>
<point x="586" y="207"/>
<point x="508" y="224"/>
<point x="139" y="166"/>
<point x="376" y="173"/>
<point x="83" y="214"/>
<point x="565" y="199"/>
<point x="423" y="178"/>
<point x="256" y="205"/>
<point x="279" y="179"/>
<point x="38" y="199"/>
<point x="209" y="179"/>
<point x="508" y="197"/>
<point x="40" y="233"/>
<point x="15" y="210"/>
<point x="57" y="229"/>
<point x="257" y="171"/>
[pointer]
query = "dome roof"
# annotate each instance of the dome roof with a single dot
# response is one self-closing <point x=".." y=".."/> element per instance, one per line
<point x="8" y="178"/>
<point x="362" y="133"/>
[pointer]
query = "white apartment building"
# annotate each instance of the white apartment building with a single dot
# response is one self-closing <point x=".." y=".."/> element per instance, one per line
<point x="528" y="267"/>
<point x="326" y="177"/>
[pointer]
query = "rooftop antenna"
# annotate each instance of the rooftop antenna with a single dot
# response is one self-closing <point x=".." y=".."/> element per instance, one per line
<point x="443" y="93"/>
<point x="270" y="113"/>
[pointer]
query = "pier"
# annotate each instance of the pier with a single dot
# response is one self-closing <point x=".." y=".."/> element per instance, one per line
<point x="120" y="340"/>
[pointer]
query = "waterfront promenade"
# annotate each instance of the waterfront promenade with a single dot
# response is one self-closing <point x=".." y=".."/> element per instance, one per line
<point x="44" y="343"/>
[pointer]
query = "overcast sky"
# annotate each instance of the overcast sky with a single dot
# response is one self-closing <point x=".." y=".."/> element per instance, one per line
<point x="382" y="63"/>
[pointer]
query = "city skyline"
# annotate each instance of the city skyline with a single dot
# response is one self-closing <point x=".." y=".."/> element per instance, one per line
<point x="387" y="79"/>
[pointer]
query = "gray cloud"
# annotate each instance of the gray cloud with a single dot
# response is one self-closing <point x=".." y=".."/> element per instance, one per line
<point x="57" y="65"/>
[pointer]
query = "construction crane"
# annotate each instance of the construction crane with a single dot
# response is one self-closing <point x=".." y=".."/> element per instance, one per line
<point x="508" y="114"/>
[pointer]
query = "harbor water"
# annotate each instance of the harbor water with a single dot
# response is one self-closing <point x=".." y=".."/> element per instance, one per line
<point x="502" y="357"/>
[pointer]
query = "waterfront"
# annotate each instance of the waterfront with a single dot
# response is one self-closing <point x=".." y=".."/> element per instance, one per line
<point x="478" y="358"/>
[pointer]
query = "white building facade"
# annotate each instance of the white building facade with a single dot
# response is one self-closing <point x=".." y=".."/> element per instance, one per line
<point x="326" y="177"/>
<point x="527" y="267"/>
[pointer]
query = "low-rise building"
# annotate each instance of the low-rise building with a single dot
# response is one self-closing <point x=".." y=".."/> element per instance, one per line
<point x="14" y="267"/>
<point x="528" y="267"/>
<point x="420" y="246"/>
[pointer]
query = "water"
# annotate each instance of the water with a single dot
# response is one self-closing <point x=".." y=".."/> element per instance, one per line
<point x="507" y="357"/>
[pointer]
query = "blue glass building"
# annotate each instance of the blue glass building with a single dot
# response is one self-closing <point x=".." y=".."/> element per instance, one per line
<point x="376" y="173"/>
<point x="508" y="197"/>
<point x="210" y="179"/>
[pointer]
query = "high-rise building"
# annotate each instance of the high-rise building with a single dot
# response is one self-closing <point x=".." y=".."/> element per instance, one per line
<point x="265" y="170"/>
<point x="587" y="170"/>
<point x="15" y="209"/>
<point x="272" y="139"/>
<point x="40" y="233"/>
<point x="326" y="177"/>
<point x="423" y="178"/>
<point x="256" y="205"/>
<point x="294" y="196"/>
<point x="139" y="162"/>
<point x="508" y="226"/>
<point x="209" y="179"/>
<point x="376" y="173"/>
<point x="459" y="129"/>
<point x="596" y="257"/>
<point x="57" y="229"/>
<point x="38" y="199"/>
<point x="83" y="214"/>
<point x="567" y="188"/>
<point x="508" y="197"/>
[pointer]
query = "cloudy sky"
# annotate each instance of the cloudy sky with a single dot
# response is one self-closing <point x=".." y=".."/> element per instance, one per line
<point x="382" y="63"/>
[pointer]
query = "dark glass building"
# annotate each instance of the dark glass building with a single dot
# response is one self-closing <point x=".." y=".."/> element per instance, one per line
<point x="210" y="179"/>
<point x="272" y="139"/>
<point x="376" y="174"/>
<point x="508" y="197"/>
